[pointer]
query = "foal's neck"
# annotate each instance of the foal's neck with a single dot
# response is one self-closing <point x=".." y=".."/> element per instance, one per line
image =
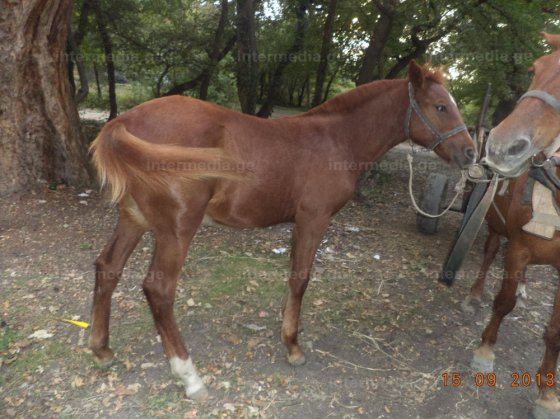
<point x="370" y="119"/>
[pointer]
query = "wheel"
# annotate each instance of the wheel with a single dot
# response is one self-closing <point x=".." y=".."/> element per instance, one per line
<point x="432" y="202"/>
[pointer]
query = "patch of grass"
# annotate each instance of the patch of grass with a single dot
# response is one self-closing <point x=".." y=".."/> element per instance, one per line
<point x="35" y="360"/>
<point x="86" y="246"/>
<point x="235" y="274"/>
<point x="7" y="336"/>
<point x="162" y="404"/>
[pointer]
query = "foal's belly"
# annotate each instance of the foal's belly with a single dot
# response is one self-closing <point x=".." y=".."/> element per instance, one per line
<point x="242" y="210"/>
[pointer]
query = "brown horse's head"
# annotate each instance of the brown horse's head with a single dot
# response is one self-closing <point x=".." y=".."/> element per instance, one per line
<point x="433" y="119"/>
<point x="533" y="126"/>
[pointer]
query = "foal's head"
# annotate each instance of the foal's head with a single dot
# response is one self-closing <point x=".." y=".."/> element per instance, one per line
<point x="533" y="126"/>
<point x="435" y="121"/>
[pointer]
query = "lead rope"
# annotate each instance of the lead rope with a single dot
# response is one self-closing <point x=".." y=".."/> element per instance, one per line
<point x="459" y="188"/>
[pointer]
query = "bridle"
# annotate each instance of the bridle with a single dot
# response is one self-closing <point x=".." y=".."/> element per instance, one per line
<point x="439" y="137"/>
<point x="544" y="96"/>
<point x="549" y="165"/>
<point x="553" y="103"/>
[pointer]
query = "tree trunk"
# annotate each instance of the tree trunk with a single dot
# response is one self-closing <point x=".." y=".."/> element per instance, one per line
<point x="196" y="81"/>
<point x="379" y="37"/>
<point x="40" y="135"/>
<point x="329" y="85"/>
<point x="247" y="57"/>
<point x="214" y="54"/>
<point x="75" y="56"/>
<point x="325" y="48"/>
<point x="108" y="50"/>
<point x="276" y="80"/>
<point x="301" y="94"/>
<point x="97" y="82"/>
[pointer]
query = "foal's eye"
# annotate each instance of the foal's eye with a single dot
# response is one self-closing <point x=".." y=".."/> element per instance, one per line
<point x="441" y="108"/>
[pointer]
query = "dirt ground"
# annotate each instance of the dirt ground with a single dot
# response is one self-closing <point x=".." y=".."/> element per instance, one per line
<point x="379" y="330"/>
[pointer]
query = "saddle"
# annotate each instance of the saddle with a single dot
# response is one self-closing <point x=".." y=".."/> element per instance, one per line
<point x="540" y="191"/>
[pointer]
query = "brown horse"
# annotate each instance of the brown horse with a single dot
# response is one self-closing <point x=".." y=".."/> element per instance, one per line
<point x="197" y="160"/>
<point x="533" y="126"/>
<point x="522" y="249"/>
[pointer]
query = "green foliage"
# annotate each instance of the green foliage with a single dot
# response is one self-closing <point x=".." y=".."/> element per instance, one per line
<point x="159" y="44"/>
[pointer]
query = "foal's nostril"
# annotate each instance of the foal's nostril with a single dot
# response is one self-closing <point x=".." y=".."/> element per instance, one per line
<point x="518" y="147"/>
<point x="470" y="154"/>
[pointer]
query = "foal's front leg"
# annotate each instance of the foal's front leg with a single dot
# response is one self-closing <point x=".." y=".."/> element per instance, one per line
<point x="307" y="235"/>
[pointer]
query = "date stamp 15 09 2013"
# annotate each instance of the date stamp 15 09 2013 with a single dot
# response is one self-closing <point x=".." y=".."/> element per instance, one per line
<point x="518" y="379"/>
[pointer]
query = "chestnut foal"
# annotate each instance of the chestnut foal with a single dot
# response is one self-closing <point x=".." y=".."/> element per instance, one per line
<point x="173" y="161"/>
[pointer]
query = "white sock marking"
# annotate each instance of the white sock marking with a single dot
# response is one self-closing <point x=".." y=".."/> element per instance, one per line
<point x="186" y="371"/>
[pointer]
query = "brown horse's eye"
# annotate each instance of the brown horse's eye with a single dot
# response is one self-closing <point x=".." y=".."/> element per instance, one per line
<point x="531" y="70"/>
<point x="441" y="108"/>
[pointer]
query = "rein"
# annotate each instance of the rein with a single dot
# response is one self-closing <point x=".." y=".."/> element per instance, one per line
<point x="439" y="137"/>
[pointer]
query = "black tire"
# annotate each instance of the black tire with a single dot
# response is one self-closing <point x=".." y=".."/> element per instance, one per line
<point x="432" y="201"/>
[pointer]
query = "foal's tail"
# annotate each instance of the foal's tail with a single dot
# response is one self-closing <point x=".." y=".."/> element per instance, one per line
<point x="121" y="157"/>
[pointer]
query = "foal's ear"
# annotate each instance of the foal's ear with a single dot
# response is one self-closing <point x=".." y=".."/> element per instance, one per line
<point x="552" y="40"/>
<point x="415" y="74"/>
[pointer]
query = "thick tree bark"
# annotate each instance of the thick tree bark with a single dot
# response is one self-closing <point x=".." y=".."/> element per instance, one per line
<point x="40" y="137"/>
<point x="379" y="37"/>
<point x="108" y="50"/>
<point x="247" y="56"/>
<point x="325" y="48"/>
<point x="297" y="45"/>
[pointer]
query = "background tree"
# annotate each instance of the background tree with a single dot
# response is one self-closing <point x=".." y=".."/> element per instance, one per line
<point x="324" y="56"/>
<point x="247" y="56"/>
<point x="40" y="134"/>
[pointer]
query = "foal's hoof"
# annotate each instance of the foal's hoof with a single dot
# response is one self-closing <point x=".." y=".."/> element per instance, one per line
<point x="199" y="395"/>
<point x="483" y="365"/>
<point x="541" y="412"/>
<point x="104" y="358"/>
<point x="297" y="359"/>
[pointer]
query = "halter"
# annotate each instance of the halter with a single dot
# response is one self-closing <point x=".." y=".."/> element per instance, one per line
<point x="553" y="103"/>
<point x="545" y="97"/>
<point x="438" y="136"/>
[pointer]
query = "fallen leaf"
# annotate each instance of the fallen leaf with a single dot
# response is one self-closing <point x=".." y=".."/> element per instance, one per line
<point x="40" y="334"/>
<point x="77" y="382"/>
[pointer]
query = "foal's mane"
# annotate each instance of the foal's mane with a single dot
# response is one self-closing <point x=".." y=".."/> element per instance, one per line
<point x="347" y="101"/>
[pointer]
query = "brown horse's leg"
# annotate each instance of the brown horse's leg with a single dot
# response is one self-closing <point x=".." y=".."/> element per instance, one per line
<point x="548" y="399"/>
<point x="515" y="263"/>
<point x="307" y="235"/>
<point x="159" y="287"/>
<point x="491" y="248"/>
<point x="108" y="270"/>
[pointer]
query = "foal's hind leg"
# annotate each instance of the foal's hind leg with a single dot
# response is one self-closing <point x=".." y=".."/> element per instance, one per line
<point x="491" y="248"/>
<point x="172" y="242"/>
<point x="548" y="401"/>
<point x="108" y="270"/>
<point x="307" y="236"/>
<point x="515" y="264"/>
